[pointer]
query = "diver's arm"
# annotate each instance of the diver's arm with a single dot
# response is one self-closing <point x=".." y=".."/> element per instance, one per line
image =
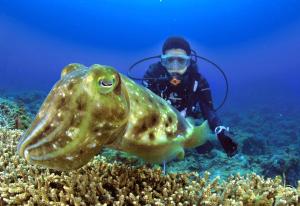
<point x="209" y="113"/>
<point x="206" y="104"/>
<point x="214" y="122"/>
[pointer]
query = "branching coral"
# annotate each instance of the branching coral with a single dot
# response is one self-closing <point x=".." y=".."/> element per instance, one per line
<point x="102" y="183"/>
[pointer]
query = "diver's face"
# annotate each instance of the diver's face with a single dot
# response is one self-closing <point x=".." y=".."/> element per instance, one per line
<point x="175" y="61"/>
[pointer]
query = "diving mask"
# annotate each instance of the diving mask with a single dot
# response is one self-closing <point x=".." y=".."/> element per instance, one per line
<point x="175" y="63"/>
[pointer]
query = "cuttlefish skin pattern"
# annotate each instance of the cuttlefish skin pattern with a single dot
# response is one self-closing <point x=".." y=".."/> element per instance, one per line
<point x="95" y="107"/>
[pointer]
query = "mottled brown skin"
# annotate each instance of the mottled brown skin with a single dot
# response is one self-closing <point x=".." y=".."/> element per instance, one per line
<point x="89" y="108"/>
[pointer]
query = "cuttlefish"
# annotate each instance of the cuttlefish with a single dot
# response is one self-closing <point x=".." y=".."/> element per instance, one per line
<point x="96" y="107"/>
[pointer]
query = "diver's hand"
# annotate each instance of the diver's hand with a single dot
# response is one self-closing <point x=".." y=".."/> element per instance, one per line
<point x="228" y="144"/>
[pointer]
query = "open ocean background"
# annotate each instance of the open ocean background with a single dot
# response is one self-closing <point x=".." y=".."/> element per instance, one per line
<point x="255" y="42"/>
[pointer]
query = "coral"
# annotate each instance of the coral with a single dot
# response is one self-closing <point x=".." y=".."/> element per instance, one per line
<point x="13" y="115"/>
<point x="266" y="137"/>
<point x="103" y="183"/>
<point x="282" y="163"/>
<point x="112" y="155"/>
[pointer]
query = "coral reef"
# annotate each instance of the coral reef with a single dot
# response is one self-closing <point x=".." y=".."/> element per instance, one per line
<point x="269" y="141"/>
<point x="253" y="146"/>
<point x="269" y="138"/>
<point x="31" y="100"/>
<point x="103" y="183"/>
<point x="285" y="163"/>
<point x="13" y="115"/>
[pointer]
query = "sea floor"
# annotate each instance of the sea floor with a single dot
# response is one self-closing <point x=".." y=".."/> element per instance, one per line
<point x="268" y="145"/>
<point x="268" y="139"/>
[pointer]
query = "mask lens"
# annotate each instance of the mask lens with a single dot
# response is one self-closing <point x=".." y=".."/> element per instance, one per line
<point x="170" y="59"/>
<point x="182" y="60"/>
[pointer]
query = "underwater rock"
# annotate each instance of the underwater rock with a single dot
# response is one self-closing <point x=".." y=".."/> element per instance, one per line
<point x="283" y="164"/>
<point x="253" y="146"/>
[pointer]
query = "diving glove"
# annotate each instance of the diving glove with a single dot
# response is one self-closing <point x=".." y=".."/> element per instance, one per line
<point x="228" y="144"/>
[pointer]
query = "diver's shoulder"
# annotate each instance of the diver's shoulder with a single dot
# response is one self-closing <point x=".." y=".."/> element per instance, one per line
<point x="193" y="69"/>
<point x="194" y="72"/>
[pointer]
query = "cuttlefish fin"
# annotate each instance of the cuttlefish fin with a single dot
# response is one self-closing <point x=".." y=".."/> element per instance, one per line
<point x="199" y="136"/>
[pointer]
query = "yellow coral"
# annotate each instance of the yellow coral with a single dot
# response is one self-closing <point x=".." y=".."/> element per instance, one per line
<point x="102" y="183"/>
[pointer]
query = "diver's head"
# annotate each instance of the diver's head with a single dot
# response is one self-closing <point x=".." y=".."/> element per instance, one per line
<point x="176" y="55"/>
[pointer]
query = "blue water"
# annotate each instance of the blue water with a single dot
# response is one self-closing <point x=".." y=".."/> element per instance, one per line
<point x="256" y="42"/>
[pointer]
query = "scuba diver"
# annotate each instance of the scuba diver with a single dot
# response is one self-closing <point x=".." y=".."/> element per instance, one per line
<point x="176" y="79"/>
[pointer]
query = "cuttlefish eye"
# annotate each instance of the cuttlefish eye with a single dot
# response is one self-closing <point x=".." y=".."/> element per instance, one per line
<point x="107" y="84"/>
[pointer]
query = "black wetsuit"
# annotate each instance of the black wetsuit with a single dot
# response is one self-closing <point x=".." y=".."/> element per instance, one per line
<point x="192" y="96"/>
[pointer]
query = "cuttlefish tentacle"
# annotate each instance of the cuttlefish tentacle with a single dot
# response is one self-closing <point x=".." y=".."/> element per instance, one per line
<point x="52" y="136"/>
<point x="44" y="127"/>
<point x="78" y="140"/>
<point x="37" y="131"/>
